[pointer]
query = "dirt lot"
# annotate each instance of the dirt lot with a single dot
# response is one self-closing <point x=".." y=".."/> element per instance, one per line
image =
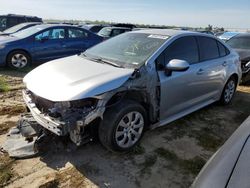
<point x="170" y="156"/>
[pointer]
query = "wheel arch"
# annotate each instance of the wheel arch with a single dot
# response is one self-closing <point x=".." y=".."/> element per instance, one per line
<point x="235" y="76"/>
<point x="18" y="49"/>
<point x="135" y="95"/>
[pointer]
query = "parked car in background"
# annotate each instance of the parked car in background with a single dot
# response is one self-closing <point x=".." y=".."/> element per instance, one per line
<point x="19" y="27"/>
<point x="227" y="35"/>
<point x="241" y="44"/>
<point x="42" y="43"/>
<point x="217" y="34"/>
<point x="123" y="85"/>
<point x="229" y="167"/>
<point x="10" y="20"/>
<point x="206" y="32"/>
<point x="126" y="25"/>
<point x="108" y="32"/>
<point x="95" y="28"/>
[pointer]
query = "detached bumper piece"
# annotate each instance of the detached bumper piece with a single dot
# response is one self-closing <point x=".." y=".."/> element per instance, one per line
<point x="22" y="141"/>
<point x="52" y="125"/>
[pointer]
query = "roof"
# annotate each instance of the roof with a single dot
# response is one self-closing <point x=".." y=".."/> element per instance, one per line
<point x="168" y="32"/>
<point x="44" y="26"/>
<point x="113" y="27"/>
<point x="29" y="23"/>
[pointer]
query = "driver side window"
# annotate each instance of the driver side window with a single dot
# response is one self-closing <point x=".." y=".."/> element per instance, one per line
<point x="51" y="34"/>
<point x="42" y="35"/>
<point x="184" y="48"/>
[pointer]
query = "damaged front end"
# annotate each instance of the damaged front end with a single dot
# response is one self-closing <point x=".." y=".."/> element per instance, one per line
<point x="65" y="118"/>
<point x="45" y="117"/>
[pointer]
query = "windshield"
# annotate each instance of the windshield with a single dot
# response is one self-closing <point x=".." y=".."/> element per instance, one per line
<point x="105" y="32"/>
<point x="240" y="43"/>
<point x="130" y="50"/>
<point x="15" y="28"/>
<point x="28" y="32"/>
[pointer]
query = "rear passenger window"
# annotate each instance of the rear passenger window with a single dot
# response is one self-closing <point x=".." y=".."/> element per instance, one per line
<point x="222" y="49"/>
<point x="208" y="48"/>
<point x="117" y="32"/>
<point x="77" y="33"/>
<point x="184" y="48"/>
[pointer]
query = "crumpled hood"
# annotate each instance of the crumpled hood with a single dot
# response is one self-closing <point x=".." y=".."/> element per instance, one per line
<point x="244" y="54"/>
<point x="74" y="78"/>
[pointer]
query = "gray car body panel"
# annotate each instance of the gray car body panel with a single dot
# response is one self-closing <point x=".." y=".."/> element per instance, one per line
<point x="74" y="78"/>
<point x="225" y="166"/>
<point x="214" y="78"/>
<point x="169" y="98"/>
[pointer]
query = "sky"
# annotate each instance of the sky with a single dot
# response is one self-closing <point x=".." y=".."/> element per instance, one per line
<point x="193" y="13"/>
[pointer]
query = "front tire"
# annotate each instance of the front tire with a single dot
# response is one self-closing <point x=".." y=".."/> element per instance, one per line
<point x="18" y="60"/>
<point x="228" y="91"/>
<point x="122" y="126"/>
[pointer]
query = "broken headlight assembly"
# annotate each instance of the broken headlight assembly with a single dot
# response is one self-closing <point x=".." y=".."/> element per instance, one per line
<point x="79" y="104"/>
<point x="84" y="103"/>
<point x="82" y="106"/>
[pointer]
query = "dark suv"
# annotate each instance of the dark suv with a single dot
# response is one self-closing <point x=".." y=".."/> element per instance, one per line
<point x="108" y="32"/>
<point x="10" y="20"/>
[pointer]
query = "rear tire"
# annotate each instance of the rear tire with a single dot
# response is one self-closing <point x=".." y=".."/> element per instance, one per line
<point x="18" y="60"/>
<point x="228" y="91"/>
<point x="122" y="126"/>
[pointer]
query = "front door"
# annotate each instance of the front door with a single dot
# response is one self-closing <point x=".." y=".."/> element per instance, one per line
<point x="181" y="90"/>
<point x="49" y="44"/>
<point x="78" y="41"/>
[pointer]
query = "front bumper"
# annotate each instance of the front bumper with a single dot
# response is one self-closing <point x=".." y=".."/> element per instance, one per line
<point x="53" y="125"/>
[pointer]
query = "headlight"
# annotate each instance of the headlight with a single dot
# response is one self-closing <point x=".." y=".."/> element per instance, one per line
<point x="82" y="103"/>
<point x="2" y="47"/>
<point x="87" y="103"/>
<point x="62" y="105"/>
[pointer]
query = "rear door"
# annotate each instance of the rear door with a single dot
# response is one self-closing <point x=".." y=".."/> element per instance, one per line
<point x="49" y="44"/>
<point x="182" y="90"/>
<point x="213" y="71"/>
<point x="78" y="40"/>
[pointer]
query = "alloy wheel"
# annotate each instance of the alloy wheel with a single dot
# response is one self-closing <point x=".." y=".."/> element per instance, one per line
<point x="129" y="129"/>
<point x="19" y="61"/>
<point x="229" y="91"/>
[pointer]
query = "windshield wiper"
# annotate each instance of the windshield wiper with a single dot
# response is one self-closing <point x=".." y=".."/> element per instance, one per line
<point x="101" y="60"/>
<point x="107" y="62"/>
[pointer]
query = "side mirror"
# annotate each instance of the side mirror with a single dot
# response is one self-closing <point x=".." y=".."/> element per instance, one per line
<point x="176" y="65"/>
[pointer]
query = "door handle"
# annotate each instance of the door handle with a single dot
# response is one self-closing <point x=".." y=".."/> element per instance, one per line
<point x="224" y="64"/>
<point x="200" y="71"/>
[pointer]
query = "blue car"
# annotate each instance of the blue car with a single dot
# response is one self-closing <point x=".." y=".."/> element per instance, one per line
<point x="42" y="43"/>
